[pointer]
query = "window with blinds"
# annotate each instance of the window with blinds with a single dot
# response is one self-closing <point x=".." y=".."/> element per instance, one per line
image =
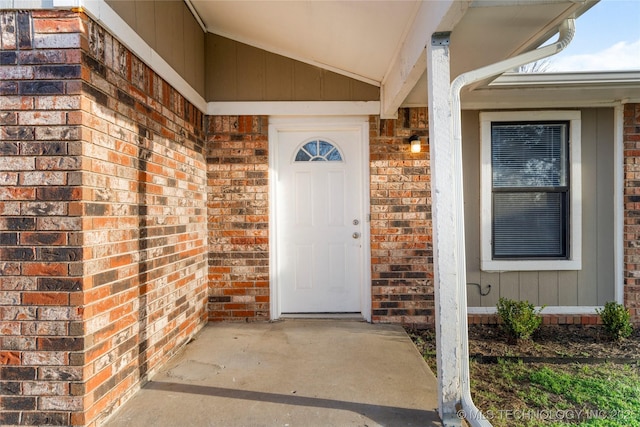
<point x="530" y="190"/>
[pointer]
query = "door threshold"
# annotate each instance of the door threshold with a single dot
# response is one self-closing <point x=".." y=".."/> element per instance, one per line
<point x="324" y="316"/>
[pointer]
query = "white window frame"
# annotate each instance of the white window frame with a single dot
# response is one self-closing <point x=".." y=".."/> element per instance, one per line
<point x="574" y="260"/>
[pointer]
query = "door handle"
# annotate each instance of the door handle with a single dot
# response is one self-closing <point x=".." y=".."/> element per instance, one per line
<point x="356" y="235"/>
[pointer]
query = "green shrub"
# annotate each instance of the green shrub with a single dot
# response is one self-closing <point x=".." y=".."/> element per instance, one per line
<point x="519" y="318"/>
<point x="615" y="318"/>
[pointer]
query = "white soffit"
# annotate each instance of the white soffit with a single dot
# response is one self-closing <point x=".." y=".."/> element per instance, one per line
<point x="491" y="31"/>
<point x="486" y="35"/>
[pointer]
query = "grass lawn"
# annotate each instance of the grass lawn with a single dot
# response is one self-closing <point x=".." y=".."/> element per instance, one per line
<point x="531" y="395"/>
<point x="518" y="394"/>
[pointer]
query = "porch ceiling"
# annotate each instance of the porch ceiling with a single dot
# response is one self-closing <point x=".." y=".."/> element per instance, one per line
<point x="358" y="38"/>
<point x="382" y="42"/>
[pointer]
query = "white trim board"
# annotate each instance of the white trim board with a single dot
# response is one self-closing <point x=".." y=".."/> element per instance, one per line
<point x="300" y="123"/>
<point x="526" y="102"/>
<point x="574" y="261"/>
<point x="596" y="78"/>
<point x="294" y="108"/>
<point x="102" y="13"/>
<point x="618" y="203"/>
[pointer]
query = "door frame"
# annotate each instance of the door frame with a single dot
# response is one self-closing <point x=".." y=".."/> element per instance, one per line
<point x="309" y="123"/>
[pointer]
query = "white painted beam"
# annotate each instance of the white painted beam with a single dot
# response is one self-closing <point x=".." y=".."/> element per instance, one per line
<point x="445" y="234"/>
<point x="618" y="203"/>
<point x="410" y="61"/>
<point x="63" y="4"/>
<point x="294" y="108"/>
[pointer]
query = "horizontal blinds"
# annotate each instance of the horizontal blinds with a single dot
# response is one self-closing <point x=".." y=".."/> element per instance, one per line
<point x="528" y="224"/>
<point x="529" y="155"/>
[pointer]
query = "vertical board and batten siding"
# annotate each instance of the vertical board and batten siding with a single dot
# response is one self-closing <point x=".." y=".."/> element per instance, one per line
<point x="591" y="286"/>
<point x="222" y="69"/>
<point x="239" y="72"/>
<point x="169" y="27"/>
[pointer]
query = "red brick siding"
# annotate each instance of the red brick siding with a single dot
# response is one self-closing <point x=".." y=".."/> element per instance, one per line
<point x="631" y="137"/>
<point x="238" y="220"/>
<point x="238" y="209"/>
<point x="102" y="220"/>
<point x="547" y="319"/>
<point x="144" y="181"/>
<point x="401" y="252"/>
<point x="41" y="282"/>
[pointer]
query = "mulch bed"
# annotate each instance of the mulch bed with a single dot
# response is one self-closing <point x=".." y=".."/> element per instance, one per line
<point x="549" y="344"/>
<point x="550" y="341"/>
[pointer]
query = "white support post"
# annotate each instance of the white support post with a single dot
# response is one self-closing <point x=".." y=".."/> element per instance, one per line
<point x="445" y="230"/>
<point x="618" y="202"/>
<point x="448" y="218"/>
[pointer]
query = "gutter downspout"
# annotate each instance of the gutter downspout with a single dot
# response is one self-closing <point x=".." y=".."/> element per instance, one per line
<point x="567" y="30"/>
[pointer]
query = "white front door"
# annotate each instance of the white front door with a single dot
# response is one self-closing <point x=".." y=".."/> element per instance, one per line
<point x="319" y="218"/>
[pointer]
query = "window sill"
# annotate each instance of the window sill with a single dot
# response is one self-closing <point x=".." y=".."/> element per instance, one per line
<point x="532" y="265"/>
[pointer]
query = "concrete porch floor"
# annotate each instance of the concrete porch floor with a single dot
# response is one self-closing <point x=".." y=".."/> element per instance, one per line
<point x="290" y="373"/>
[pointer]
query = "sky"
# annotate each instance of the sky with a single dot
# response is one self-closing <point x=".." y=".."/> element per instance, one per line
<point x="607" y="38"/>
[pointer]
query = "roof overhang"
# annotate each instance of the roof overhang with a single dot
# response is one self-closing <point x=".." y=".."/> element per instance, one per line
<point x="382" y="42"/>
<point x="556" y="90"/>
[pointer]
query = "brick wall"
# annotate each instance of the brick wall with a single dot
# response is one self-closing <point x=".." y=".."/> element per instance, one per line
<point x="237" y="164"/>
<point x="41" y="281"/>
<point x="547" y="319"/>
<point x="144" y="221"/>
<point x="102" y="220"/>
<point x="238" y="209"/>
<point x="631" y="137"/>
<point x="401" y="253"/>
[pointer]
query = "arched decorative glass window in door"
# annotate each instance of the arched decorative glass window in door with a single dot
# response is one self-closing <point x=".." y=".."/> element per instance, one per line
<point x="318" y="151"/>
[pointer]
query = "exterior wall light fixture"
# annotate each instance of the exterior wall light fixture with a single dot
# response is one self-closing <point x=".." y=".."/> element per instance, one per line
<point x="414" y="140"/>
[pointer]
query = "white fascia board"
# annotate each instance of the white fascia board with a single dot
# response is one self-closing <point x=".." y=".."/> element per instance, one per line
<point x="27" y="4"/>
<point x="538" y="105"/>
<point x="561" y="310"/>
<point x="195" y="14"/>
<point x="549" y="97"/>
<point x="560" y="90"/>
<point x="596" y="78"/>
<point x="64" y="4"/>
<point x="410" y="61"/>
<point x="294" y="108"/>
<point x="102" y="13"/>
